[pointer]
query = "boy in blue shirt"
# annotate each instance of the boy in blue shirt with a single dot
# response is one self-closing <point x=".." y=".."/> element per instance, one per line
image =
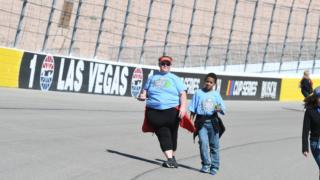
<point x="205" y="106"/>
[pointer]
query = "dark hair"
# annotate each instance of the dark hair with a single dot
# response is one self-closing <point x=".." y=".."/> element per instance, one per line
<point x="211" y="75"/>
<point x="311" y="101"/>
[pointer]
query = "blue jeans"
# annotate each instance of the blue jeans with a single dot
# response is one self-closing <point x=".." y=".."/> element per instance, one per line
<point x="209" y="147"/>
<point x="315" y="149"/>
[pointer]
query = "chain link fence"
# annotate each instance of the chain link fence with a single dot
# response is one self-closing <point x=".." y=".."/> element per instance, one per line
<point x="197" y="33"/>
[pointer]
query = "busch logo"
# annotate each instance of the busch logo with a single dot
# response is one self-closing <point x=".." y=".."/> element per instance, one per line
<point x="269" y="89"/>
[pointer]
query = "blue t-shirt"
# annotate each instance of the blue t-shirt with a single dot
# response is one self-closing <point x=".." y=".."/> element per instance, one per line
<point x="204" y="103"/>
<point x="163" y="90"/>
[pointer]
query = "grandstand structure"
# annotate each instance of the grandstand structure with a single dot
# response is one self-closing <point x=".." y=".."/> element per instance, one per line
<point x="197" y="33"/>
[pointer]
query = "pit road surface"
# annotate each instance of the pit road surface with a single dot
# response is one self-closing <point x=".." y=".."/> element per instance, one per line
<point x="63" y="136"/>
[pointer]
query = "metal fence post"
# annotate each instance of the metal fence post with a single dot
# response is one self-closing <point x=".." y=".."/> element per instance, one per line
<point x="266" y="48"/>
<point x="316" y="47"/>
<point x="44" y="45"/>
<point x="230" y="34"/>
<point x="146" y="32"/>
<point x="186" y="56"/>
<point x="75" y="26"/>
<point x="211" y="33"/>
<point x="168" y="28"/>
<point x="104" y="12"/>
<point x="125" y="25"/>
<point x="251" y="33"/>
<point x="286" y="36"/>
<point x="22" y="14"/>
<point x="303" y="35"/>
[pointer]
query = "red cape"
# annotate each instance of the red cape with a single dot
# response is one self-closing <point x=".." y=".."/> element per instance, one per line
<point x="185" y="123"/>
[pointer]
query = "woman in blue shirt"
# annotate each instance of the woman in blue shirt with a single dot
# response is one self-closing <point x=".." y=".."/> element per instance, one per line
<point x="166" y="98"/>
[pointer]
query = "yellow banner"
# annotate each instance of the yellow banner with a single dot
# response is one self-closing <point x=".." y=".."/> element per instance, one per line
<point x="10" y="60"/>
<point x="290" y="90"/>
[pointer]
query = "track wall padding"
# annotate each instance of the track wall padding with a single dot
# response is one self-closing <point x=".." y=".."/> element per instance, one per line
<point x="290" y="90"/>
<point x="10" y="60"/>
<point x="52" y="73"/>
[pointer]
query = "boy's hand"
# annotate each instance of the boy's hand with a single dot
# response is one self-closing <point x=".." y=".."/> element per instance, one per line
<point x="217" y="108"/>
<point x="306" y="153"/>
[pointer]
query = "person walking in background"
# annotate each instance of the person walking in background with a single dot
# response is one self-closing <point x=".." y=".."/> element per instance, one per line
<point x="311" y="126"/>
<point x="166" y="104"/>
<point x="306" y="84"/>
<point x="205" y="106"/>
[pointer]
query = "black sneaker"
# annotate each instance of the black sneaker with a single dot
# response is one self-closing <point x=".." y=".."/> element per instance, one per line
<point x="169" y="163"/>
<point x="175" y="164"/>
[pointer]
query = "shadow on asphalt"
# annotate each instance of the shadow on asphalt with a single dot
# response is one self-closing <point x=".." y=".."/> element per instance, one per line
<point x="157" y="162"/>
<point x="133" y="157"/>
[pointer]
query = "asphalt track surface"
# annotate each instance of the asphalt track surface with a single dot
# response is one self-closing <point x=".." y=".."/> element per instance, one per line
<point x="62" y="136"/>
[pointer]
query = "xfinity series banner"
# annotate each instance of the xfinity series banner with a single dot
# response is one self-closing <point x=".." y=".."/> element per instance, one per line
<point x="50" y="73"/>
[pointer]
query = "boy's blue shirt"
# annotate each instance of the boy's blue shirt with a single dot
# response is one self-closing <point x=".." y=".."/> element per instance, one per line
<point x="164" y="90"/>
<point x="203" y="103"/>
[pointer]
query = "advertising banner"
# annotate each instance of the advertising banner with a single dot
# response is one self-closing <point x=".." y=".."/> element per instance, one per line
<point x="250" y="88"/>
<point x="46" y="72"/>
<point x="51" y="73"/>
<point x="10" y="60"/>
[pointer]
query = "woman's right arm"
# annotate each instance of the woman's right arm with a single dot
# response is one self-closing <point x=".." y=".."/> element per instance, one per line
<point x="143" y="95"/>
<point x="305" y="132"/>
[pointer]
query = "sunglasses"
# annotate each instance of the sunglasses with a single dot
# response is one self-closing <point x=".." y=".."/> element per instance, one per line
<point x="165" y="64"/>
